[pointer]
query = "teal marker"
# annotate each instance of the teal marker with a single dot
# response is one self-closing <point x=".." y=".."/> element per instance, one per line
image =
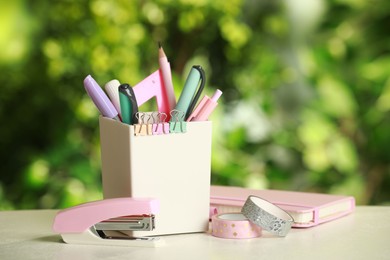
<point x="191" y="93"/>
<point x="128" y="104"/>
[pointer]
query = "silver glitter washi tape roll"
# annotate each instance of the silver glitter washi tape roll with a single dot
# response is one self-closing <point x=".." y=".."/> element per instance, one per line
<point x="267" y="215"/>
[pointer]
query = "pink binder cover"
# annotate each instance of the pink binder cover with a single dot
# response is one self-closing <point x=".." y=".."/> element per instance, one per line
<point x="291" y="201"/>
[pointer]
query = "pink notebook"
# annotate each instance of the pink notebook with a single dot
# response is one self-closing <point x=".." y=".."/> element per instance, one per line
<point x="307" y="209"/>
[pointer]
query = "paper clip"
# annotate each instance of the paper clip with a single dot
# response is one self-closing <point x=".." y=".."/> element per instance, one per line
<point x="177" y="123"/>
<point x="160" y="126"/>
<point x="144" y="127"/>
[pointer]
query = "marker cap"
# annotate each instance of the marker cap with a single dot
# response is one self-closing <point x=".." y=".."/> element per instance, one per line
<point x="217" y="95"/>
<point x="111" y="88"/>
<point x="100" y="98"/>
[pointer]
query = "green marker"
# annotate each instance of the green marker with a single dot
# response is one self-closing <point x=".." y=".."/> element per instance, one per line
<point x="191" y="93"/>
<point x="128" y="104"/>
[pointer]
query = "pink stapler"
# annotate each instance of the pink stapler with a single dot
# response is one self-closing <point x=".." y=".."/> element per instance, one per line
<point x="106" y="222"/>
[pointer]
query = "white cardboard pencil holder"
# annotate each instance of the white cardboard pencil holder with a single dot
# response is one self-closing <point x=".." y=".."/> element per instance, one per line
<point x="174" y="168"/>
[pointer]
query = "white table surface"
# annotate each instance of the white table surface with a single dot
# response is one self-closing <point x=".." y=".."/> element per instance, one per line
<point x="365" y="234"/>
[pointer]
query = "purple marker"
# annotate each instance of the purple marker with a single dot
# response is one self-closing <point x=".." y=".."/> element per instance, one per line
<point x="102" y="102"/>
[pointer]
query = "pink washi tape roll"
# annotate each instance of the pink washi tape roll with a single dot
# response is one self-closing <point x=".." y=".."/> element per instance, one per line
<point x="234" y="225"/>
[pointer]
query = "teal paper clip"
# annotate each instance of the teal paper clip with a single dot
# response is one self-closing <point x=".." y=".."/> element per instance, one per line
<point x="177" y="123"/>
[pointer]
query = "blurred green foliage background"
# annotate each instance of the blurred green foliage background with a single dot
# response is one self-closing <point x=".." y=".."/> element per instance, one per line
<point x="306" y="84"/>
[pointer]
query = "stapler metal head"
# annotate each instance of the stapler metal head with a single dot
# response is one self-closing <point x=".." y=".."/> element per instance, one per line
<point x="104" y="222"/>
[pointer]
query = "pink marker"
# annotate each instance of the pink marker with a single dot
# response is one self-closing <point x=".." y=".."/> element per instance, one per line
<point x="205" y="107"/>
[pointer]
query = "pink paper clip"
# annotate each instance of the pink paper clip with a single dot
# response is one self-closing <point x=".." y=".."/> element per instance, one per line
<point x="160" y="126"/>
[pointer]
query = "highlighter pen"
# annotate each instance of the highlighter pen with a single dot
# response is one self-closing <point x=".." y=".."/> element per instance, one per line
<point x="205" y="107"/>
<point x="111" y="88"/>
<point x="128" y="104"/>
<point x="165" y="70"/>
<point x="190" y="94"/>
<point x="102" y="102"/>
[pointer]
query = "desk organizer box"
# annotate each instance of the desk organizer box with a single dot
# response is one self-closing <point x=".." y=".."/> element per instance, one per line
<point x="173" y="168"/>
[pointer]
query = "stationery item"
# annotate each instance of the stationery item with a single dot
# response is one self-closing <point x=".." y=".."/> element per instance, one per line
<point x="205" y="107"/>
<point x="128" y="102"/>
<point x="213" y="211"/>
<point x="234" y="225"/>
<point x="160" y="166"/>
<point x="307" y="209"/>
<point x="177" y="123"/>
<point x="143" y="125"/>
<point x="191" y="92"/>
<point x="267" y="216"/>
<point x="104" y="222"/>
<point x="159" y="85"/>
<point x="111" y="88"/>
<point x="152" y="86"/>
<point x="166" y="75"/>
<point x="159" y="125"/>
<point x="102" y="102"/>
